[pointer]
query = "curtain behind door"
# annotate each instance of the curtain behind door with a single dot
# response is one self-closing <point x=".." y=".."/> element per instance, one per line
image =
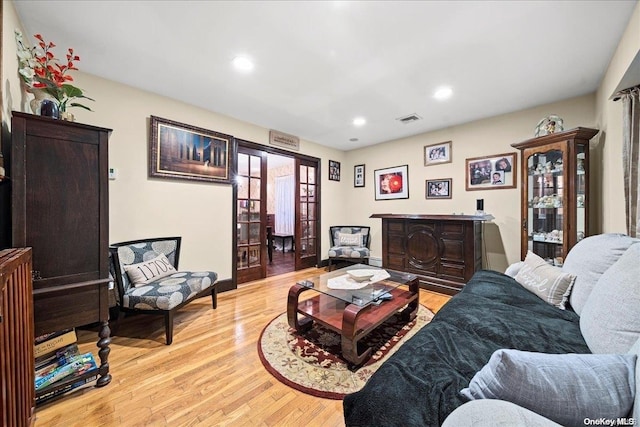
<point x="285" y="215"/>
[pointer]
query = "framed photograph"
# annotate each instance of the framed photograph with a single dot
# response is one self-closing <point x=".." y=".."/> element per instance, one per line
<point x="437" y="154"/>
<point x="438" y="188"/>
<point x="181" y="151"/>
<point x="334" y="170"/>
<point x="392" y="183"/>
<point x="358" y="176"/>
<point x="492" y="172"/>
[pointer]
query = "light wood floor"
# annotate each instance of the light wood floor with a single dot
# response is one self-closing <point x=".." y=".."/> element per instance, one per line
<point x="210" y="376"/>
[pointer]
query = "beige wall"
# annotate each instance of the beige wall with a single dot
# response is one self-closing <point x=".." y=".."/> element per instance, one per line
<point x="609" y="119"/>
<point x="481" y="138"/>
<point x="201" y="213"/>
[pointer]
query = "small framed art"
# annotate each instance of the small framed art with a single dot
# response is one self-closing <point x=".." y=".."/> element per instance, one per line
<point x="334" y="170"/>
<point x="358" y="176"/>
<point x="436" y="154"/>
<point x="438" y="188"/>
<point x="491" y="172"/>
<point x="392" y="183"/>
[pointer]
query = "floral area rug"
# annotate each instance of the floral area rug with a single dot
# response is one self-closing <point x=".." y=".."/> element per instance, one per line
<point x="311" y="362"/>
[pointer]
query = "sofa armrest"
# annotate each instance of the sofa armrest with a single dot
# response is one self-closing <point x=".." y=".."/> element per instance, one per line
<point x="493" y="413"/>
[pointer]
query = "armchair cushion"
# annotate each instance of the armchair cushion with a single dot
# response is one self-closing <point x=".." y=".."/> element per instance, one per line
<point x="149" y="271"/>
<point x="348" y="252"/>
<point x="169" y="291"/>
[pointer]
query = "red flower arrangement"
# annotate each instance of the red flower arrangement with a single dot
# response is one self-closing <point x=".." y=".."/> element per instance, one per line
<point x="40" y="69"/>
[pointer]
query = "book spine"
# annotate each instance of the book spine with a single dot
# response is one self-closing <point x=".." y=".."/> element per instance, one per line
<point x="63" y="390"/>
<point x="61" y="358"/>
<point x="66" y="351"/>
<point x="77" y="366"/>
<point x="44" y="337"/>
<point x="54" y="343"/>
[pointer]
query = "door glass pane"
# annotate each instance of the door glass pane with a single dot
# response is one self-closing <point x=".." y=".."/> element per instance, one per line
<point x="254" y="255"/>
<point x="256" y="162"/>
<point x="311" y="193"/>
<point x="254" y="232"/>
<point x="243" y="257"/>
<point x="243" y="187"/>
<point x="303" y="174"/>
<point x="243" y="234"/>
<point x="311" y="228"/>
<point x="255" y="189"/>
<point x="311" y="247"/>
<point x="254" y="206"/>
<point x="242" y="211"/>
<point x="312" y="175"/>
<point x="243" y="164"/>
<point x="312" y="211"/>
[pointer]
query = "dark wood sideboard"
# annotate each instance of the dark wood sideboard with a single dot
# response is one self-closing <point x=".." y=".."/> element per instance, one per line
<point x="442" y="250"/>
<point x="60" y="208"/>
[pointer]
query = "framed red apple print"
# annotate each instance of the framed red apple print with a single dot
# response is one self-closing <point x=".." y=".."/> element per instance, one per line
<point x="392" y="183"/>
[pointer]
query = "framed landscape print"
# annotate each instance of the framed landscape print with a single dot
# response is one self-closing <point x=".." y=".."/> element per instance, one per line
<point x="437" y="154"/>
<point x="358" y="176"/>
<point x="181" y="151"/>
<point x="438" y="188"/>
<point x="392" y="183"/>
<point x="334" y="170"/>
<point x="491" y="172"/>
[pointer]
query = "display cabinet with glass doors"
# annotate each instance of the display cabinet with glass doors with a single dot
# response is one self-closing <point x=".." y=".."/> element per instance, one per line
<point x="555" y="192"/>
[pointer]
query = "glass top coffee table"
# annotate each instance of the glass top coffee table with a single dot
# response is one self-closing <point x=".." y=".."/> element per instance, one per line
<point x="353" y="301"/>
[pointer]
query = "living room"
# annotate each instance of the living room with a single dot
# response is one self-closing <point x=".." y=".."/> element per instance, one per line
<point x="135" y="200"/>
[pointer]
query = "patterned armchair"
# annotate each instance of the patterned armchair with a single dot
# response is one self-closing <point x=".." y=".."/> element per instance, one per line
<point x="147" y="281"/>
<point x="349" y="243"/>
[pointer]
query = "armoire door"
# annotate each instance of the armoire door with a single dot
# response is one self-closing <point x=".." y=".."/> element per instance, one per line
<point x="251" y="248"/>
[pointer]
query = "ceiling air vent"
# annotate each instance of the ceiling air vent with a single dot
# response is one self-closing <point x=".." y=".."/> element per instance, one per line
<point x="410" y="118"/>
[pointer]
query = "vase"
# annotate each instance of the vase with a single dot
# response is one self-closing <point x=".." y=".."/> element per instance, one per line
<point x="44" y="104"/>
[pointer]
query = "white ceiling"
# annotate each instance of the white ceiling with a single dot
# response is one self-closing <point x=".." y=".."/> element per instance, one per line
<point x="319" y="64"/>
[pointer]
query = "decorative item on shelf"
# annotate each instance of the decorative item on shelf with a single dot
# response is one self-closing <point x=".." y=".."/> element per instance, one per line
<point x="580" y="163"/>
<point x="580" y="200"/>
<point x="43" y="74"/>
<point x="548" y="125"/>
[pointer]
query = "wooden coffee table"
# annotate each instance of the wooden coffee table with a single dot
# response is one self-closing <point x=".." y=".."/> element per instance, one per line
<point x="356" y="311"/>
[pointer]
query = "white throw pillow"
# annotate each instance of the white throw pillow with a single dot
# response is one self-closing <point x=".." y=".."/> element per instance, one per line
<point x="348" y="239"/>
<point x="546" y="281"/>
<point x="149" y="271"/>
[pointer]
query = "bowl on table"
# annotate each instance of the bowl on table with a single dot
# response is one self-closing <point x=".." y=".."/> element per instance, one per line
<point x="361" y="275"/>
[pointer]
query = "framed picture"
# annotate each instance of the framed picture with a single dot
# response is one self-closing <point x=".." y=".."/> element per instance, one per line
<point x="437" y="154"/>
<point x="334" y="170"/>
<point x="392" y="183"/>
<point x="438" y="188"/>
<point x="491" y="172"/>
<point x="358" y="176"/>
<point x="181" y="151"/>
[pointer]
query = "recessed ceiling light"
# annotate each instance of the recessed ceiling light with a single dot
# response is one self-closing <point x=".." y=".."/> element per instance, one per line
<point x="443" y="92"/>
<point x="359" y="121"/>
<point x="353" y="139"/>
<point x="242" y="63"/>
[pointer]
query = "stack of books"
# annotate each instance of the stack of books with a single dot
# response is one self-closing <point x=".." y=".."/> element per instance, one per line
<point x="57" y="362"/>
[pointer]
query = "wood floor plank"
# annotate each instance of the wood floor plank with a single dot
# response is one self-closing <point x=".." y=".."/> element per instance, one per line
<point x="210" y="376"/>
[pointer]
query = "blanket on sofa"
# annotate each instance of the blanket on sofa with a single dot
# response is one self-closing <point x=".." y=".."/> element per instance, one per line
<point x="419" y="385"/>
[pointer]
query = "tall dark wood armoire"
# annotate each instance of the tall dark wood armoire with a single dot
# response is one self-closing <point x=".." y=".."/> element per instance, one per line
<point x="60" y="208"/>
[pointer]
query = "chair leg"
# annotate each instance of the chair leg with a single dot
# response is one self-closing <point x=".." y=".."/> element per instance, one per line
<point x="168" y="326"/>
<point x="214" y="297"/>
<point x="329" y="264"/>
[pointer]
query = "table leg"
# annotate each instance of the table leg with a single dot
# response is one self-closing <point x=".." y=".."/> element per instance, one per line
<point x="292" y="309"/>
<point x="349" y="338"/>
<point x="410" y="312"/>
